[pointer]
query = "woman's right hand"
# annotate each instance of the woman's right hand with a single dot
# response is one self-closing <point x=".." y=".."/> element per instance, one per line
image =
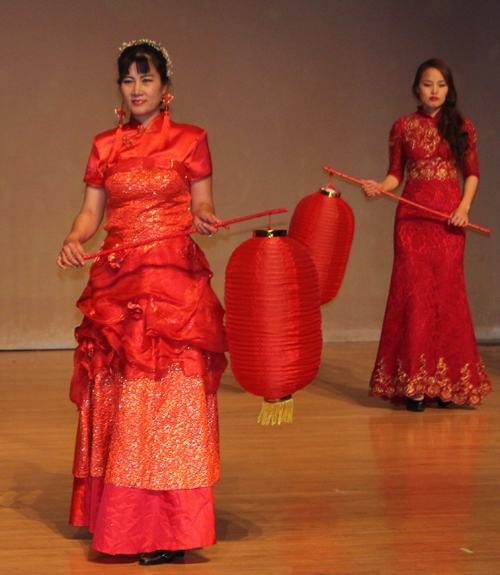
<point x="370" y="187"/>
<point x="71" y="254"/>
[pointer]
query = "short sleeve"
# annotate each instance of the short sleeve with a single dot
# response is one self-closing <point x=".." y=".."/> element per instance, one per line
<point x="470" y="165"/>
<point x="198" y="161"/>
<point x="397" y="159"/>
<point x="93" y="174"/>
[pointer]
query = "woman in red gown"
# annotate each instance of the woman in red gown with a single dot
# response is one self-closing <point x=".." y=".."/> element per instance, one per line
<point x="151" y="345"/>
<point x="427" y="347"/>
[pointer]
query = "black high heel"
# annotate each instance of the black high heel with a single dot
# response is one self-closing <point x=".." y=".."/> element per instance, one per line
<point x="442" y="403"/>
<point x="415" y="404"/>
<point x="161" y="556"/>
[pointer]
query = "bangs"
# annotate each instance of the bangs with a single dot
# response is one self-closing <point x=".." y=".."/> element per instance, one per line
<point x="142" y="63"/>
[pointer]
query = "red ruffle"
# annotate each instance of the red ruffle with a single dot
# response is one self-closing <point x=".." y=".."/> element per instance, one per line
<point x="147" y="309"/>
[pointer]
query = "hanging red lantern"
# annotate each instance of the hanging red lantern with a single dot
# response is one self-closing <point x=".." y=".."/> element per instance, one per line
<point x="324" y="223"/>
<point x="273" y="320"/>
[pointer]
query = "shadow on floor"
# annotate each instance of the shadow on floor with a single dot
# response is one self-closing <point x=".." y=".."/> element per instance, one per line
<point x="335" y="381"/>
<point x="40" y="495"/>
<point x="231" y="527"/>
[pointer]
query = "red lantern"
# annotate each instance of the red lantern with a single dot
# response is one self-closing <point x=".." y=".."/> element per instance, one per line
<point x="324" y="224"/>
<point x="273" y="320"/>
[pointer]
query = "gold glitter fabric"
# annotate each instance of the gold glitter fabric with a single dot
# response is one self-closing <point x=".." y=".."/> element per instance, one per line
<point x="469" y="386"/>
<point x="133" y="215"/>
<point x="149" y="434"/>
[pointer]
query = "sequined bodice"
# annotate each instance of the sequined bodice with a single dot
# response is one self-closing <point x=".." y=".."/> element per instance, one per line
<point x="147" y="202"/>
<point x="146" y="173"/>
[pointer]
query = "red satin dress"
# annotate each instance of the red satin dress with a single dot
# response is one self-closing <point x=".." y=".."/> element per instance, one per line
<point x="150" y="352"/>
<point x="427" y="343"/>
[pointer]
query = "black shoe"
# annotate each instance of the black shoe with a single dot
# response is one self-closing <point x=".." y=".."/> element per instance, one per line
<point x="442" y="403"/>
<point x="159" y="557"/>
<point x="415" y="404"/>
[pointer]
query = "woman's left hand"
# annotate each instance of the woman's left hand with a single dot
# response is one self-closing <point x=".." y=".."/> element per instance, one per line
<point x="202" y="220"/>
<point x="459" y="218"/>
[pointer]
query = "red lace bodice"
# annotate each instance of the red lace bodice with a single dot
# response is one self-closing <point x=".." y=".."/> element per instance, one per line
<point x="432" y="171"/>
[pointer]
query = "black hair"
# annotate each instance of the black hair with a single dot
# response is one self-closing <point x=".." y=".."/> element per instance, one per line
<point x="143" y="55"/>
<point x="450" y="122"/>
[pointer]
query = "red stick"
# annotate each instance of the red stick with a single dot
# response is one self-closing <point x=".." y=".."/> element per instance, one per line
<point x="176" y="234"/>
<point x="401" y="199"/>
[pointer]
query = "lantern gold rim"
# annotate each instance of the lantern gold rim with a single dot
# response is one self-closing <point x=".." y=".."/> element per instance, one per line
<point x="269" y="233"/>
<point x="330" y="192"/>
<point x="280" y="400"/>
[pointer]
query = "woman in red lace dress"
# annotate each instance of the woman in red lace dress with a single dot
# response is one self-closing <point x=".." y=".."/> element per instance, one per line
<point x="151" y="345"/>
<point x="427" y="347"/>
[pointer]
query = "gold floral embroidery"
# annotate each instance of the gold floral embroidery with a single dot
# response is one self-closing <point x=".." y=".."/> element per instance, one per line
<point x="483" y="378"/>
<point x="467" y="389"/>
<point x="436" y="169"/>
<point x="463" y="386"/>
<point x="381" y="382"/>
<point x="401" y="380"/>
<point x="439" y="384"/>
<point x="423" y="136"/>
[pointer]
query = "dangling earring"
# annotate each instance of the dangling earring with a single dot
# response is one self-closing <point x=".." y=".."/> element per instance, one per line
<point x="118" y="141"/>
<point x="120" y="112"/>
<point x="167" y="98"/>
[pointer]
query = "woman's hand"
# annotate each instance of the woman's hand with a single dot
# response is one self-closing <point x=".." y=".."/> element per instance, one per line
<point x="202" y="207"/>
<point x="203" y="218"/>
<point x="460" y="217"/>
<point x="371" y="188"/>
<point x="71" y="254"/>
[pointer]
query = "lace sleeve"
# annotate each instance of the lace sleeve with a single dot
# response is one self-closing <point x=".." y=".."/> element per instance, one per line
<point x="397" y="159"/>
<point x="471" y="166"/>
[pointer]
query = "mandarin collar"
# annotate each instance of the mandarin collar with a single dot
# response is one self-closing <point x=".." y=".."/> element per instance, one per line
<point x="425" y="114"/>
<point x="153" y="126"/>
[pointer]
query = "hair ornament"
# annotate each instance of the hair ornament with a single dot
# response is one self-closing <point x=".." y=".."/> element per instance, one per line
<point x="153" y="44"/>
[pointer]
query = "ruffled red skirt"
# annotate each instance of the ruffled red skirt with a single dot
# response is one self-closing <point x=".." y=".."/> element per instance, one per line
<point x="149" y="359"/>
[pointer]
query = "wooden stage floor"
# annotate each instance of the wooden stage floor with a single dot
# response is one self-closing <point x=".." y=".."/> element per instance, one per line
<point x="353" y="486"/>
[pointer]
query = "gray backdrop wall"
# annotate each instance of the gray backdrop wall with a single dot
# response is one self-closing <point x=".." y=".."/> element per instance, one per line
<point x="282" y="86"/>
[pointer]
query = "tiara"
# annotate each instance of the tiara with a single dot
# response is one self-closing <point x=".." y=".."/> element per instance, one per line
<point x="153" y="44"/>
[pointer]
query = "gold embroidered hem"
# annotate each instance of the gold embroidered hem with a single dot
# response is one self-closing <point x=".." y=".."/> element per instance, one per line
<point x="149" y="434"/>
<point x="469" y="388"/>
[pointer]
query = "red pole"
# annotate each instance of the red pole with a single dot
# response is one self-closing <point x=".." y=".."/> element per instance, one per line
<point x="176" y="234"/>
<point x="401" y="199"/>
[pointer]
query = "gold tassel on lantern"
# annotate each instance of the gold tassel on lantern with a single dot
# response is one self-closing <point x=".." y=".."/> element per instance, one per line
<point x="276" y="411"/>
